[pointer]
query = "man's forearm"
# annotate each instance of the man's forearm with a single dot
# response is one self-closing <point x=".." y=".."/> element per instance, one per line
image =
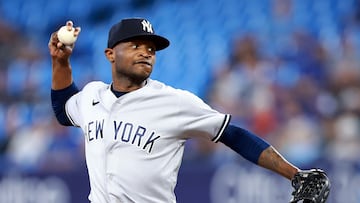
<point x="61" y="74"/>
<point x="272" y="160"/>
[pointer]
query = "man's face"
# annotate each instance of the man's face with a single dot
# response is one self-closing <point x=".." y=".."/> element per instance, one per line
<point x="134" y="59"/>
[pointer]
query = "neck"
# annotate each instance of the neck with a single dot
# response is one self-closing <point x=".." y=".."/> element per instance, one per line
<point x="127" y="86"/>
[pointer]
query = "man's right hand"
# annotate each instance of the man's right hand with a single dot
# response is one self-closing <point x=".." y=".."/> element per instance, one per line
<point x="60" y="56"/>
<point x="58" y="50"/>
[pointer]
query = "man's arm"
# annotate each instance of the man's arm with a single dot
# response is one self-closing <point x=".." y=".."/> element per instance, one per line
<point x="309" y="185"/>
<point x="257" y="150"/>
<point x="60" y="60"/>
<point x="272" y="160"/>
<point x="62" y="86"/>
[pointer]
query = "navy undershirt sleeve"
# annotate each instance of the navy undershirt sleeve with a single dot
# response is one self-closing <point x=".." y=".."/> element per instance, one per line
<point x="244" y="142"/>
<point x="58" y="100"/>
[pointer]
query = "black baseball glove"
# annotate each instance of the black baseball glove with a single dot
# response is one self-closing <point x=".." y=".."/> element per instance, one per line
<point x="310" y="186"/>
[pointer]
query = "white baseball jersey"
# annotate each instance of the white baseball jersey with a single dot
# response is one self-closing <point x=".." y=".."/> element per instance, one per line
<point x="135" y="143"/>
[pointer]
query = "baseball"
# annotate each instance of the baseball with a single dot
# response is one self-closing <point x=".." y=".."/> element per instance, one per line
<point x="65" y="36"/>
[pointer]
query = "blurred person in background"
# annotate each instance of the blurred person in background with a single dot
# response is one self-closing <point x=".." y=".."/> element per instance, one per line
<point x="275" y="95"/>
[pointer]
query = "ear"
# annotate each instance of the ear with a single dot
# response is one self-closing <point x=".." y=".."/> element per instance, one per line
<point x="109" y="53"/>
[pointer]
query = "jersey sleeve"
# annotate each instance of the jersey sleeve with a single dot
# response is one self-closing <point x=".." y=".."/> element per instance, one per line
<point x="58" y="101"/>
<point x="72" y="109"/>
<point x="199" y="119"/>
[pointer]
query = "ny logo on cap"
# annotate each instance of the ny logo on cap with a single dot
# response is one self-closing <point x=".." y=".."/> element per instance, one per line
<point x="147" y="27"/>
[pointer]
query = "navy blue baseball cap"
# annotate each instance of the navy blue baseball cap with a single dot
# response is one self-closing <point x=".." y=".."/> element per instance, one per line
<point x="135" y="28"/>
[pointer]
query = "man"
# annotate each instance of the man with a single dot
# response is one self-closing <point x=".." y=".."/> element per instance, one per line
<point x="135" y="128"/>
